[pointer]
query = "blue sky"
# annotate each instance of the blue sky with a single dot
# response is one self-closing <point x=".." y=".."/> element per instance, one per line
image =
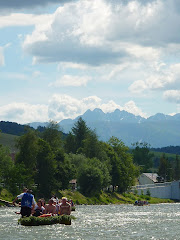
<point x="59" y="58"/>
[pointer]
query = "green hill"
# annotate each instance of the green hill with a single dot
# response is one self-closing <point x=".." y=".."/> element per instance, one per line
<point x="9" y="140"/>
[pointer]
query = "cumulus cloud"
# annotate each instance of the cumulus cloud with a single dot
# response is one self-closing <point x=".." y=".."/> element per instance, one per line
<point x="21" y="4"/>
<point x="99" y="32"/>
<point x="1" y="56"/>
<point x="164" y="78"/>
<point x="61" y="107"/>
<point x="64" y="106"/>
<point x="24" y="112"/>
<point x="172" y="96"/>
<point x="70" y="80"/>
<point x="22" y="19"/>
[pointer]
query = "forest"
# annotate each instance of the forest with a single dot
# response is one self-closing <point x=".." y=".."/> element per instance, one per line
<point x="47" y="160"/>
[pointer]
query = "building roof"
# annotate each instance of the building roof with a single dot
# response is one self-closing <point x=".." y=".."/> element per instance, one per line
<point x="73" y="181"/>
<point x="152" y="176"/>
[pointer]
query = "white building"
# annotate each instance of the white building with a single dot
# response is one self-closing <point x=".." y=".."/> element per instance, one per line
<point x="148" y="178"/>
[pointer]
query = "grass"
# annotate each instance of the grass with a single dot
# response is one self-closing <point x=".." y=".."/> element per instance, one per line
<point x="9" y="141"/>
<point x="5" y="195"/>
<point x="110" y="198"/>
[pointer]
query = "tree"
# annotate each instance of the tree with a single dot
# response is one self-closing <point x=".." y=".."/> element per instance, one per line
<point x="80" y="131"/>
<point x="90" y="180"/>
<point x="70" y="143"/>
<point x="177" y="168"/>
<point x="165" y="168"/>
<point x="46" y="169"/>
<point x="52" y="135"/>
<point x="123" y="171"/>
<point x="65" y="170"/>
<point x="27" y="145"/>
<point x="6" y="165"/>
<point x="91" y="145"/>
<point x="142" y="156"/>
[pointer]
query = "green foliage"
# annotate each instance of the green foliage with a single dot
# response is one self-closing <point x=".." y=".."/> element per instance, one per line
<point x="46" y="162"/>
<point x="165" y="168"/>
<point x="142" y="156"/>
<point x="123" y="171"/>
<point x="177" y="169"/>
<point x="52" y="135"/>
<point x="27" y="145"/>
<point x="46" y="167"/>
<point x="80" y="131"/>
<point x="65" y="170"/>
<point x="90" y="179"/>
<point x="37" y="221"/>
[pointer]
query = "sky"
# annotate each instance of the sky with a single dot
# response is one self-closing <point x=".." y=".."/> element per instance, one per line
<point x="59" y="58"/>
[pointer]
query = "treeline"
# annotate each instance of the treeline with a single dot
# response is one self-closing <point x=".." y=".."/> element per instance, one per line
<point x="169" y="149"/>
<point x="13" y="128"/>
<point x="46" y="162"/>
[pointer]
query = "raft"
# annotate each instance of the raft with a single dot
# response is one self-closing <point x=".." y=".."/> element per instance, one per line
<point x="37" y="221"/>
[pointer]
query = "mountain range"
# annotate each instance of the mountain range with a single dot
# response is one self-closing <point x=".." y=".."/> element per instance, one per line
<point x="159" y="130"/>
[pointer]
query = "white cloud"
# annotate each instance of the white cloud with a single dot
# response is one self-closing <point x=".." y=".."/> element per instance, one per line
<point x="99" y="32"/>
<point x="24" y="112"/>
<point x="69" y="80"/>
<point x="164" y="78"/>
<point x="22" y="19"/>
<point x="132" y="108"/>
<point x="61" y="107"/>
<point x="1" y="56"/>
<point x="172" y="96"/>
<point x="64" y="106"/>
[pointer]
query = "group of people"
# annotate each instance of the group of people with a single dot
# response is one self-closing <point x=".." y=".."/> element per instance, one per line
<point x="141" y="203"/>
<point x="54" y="207"/>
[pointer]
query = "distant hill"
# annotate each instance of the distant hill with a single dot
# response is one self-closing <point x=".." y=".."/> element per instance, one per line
<point x="170" y="149"/>
<point x="13" y="128"/>
<point x="159" y="130"/>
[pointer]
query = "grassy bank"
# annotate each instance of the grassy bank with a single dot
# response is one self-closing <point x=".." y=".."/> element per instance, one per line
<point x="110" y="198"/>
<point x="103" y="198"/>
<point x="5" y="195"/>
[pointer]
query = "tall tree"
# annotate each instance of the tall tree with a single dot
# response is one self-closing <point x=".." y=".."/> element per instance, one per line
<point x="80" y="131"/>
<point x="142" y="156"/>
<point x="46" y="169"/>
<point x="52" y="135"/>
<point x="123" y="169"/>
<point x="27" y="145"/>
<point x="177" y="168"/>
<point x="165" y="168"/>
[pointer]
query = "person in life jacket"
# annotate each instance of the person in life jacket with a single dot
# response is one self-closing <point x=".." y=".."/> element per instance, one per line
<point x="27" y="203"/>
<point x="65" y="207"/>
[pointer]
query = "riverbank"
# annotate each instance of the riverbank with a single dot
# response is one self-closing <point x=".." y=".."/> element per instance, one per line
<point x="110" y="198"/>
<point x="104" y="198"/>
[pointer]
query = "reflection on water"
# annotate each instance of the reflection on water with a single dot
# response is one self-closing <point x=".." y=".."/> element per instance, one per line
<point x="101" y="222"/>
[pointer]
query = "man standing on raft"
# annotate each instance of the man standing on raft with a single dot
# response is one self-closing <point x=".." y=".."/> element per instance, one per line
<point x="27" y="203"/>
<point x="65" y="207"/>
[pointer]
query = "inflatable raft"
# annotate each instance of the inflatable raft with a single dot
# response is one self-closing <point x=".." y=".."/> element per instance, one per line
<point x="48" y="220"/>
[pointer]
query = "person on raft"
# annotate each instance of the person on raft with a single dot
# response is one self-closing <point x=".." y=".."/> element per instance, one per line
<point x="39" y="209"/>
<point x="65" y="207"/>
<point x="50" y="208"/>
<point x="20" y="195"/>
<point x="27" y="203"/>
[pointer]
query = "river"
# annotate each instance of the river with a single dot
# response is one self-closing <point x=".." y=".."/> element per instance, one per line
<point x="161" y="221"/>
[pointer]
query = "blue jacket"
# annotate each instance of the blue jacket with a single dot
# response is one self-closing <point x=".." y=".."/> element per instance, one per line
<point x="27" y="200"/>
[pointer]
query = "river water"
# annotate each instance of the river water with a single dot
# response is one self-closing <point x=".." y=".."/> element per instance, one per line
<point x="161" y="221"/>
